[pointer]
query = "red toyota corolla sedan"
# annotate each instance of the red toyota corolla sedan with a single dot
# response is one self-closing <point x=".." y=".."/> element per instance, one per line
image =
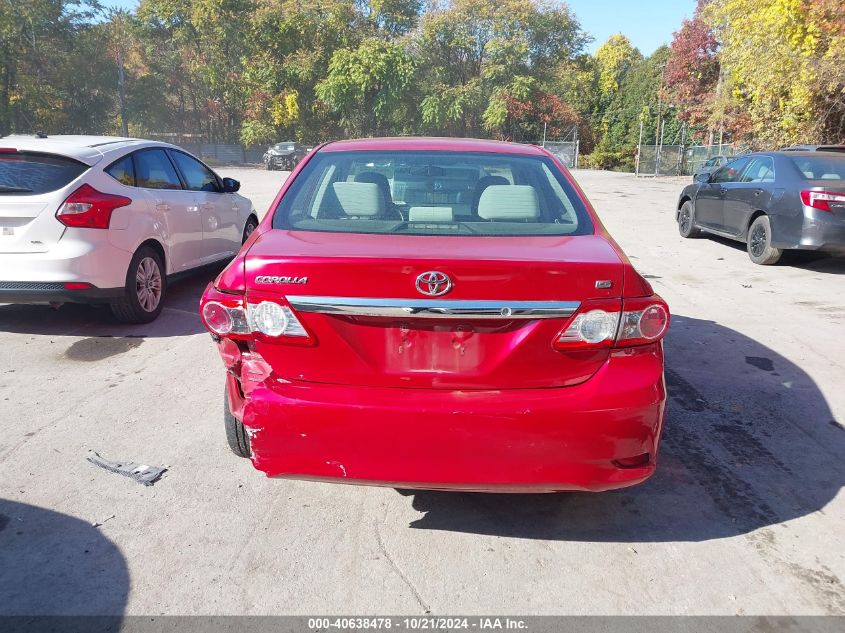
<point x="439" y="314"/>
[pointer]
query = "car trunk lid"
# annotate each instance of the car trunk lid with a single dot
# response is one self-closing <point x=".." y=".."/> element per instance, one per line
<point x="358" y="296"/>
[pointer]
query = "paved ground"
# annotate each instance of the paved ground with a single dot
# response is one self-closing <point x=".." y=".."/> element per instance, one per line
<point x="744" y="516"/>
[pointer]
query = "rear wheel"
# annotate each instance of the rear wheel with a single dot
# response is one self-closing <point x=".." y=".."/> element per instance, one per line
<point x="760" y="248"/>
<point x="235" y="432"/>
<point x="686" y="224"/>
<point x="145" y="288"/>
<point x="251" y="225"/>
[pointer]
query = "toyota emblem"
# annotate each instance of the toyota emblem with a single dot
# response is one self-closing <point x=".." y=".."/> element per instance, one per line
<point x="433" y="283"/>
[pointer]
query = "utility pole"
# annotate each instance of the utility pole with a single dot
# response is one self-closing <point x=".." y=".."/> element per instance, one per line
<point x="545" y="124"/>
<point x="121" y="76"/>
<point x="639" y="149"/>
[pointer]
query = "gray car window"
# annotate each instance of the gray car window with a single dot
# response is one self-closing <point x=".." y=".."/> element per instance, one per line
<point x="731" y="172"/>
<point x="761" y="169"/>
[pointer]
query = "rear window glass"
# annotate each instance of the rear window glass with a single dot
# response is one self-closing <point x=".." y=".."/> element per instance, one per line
<point x="30" y="173"/>
<point x="432" y="193"/>
<point x="820" y="167"/>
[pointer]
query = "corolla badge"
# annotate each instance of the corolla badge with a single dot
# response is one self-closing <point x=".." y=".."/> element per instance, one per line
<point x="268" y="279"/>
<point x="433" y="283"/>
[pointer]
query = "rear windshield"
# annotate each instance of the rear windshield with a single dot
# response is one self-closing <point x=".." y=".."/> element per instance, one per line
<point x="432" y="193"/>
<point x="29" y="173"/>
<point x="820" y="167"/>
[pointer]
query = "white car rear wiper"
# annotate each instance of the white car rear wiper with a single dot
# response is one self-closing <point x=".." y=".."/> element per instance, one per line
<point x="7" y="189"/>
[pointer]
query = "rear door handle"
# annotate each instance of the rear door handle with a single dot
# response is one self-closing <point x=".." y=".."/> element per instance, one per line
<point x="162" y="206"/>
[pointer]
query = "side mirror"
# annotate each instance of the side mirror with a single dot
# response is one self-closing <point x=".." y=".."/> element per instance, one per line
<point x="703" y="177"/>
<point x="230" y="185"/>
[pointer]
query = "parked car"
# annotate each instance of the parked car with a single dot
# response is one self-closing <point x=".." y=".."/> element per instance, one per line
<point x="710" y="165"/>
<point x="283" y="155"/>
<point x="454" y="318"/>
<point x="773" y="201"/>
<point x="815" y="148"/>
<point x="96" y="219"/>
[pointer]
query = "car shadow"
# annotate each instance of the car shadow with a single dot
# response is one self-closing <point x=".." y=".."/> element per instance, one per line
<point x="57" y="565"/>
<point x="749" y="442"/>
<point x="806" y="260"/>
<point x="180" y="316"/>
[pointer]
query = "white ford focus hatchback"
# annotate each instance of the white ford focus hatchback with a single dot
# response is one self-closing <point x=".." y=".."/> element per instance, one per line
<point x="97" y="219"/>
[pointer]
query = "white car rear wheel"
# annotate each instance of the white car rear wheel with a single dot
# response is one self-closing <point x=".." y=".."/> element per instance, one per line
<point x="146" y="285"/>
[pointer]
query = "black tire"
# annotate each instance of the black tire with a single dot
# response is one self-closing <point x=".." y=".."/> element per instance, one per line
<point x="686" y="221"/>
<point x="142" y="303"/>
<point x="249" y="227"/>
<point x="760" y="249"/>
<point x="235" y="432"/>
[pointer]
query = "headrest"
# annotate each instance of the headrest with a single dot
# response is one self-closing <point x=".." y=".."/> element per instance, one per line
<point x="359" y="199"/>
<point x="379" y="179"/>
<point x="509" y="202"/>
<point x="430" y="214"/>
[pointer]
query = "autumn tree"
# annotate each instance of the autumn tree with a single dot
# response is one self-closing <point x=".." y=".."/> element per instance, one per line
<point x="782" y="66"/>
<point x="692" y="74"/>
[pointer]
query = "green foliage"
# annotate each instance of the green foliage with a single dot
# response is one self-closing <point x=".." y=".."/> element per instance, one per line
<point x="43" y="46"/>
<point x="257" y="71"/>
<point x="620" y="160"/>
<point x="369" y="86"/>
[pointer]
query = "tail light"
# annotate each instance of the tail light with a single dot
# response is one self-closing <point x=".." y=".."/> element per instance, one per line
<point x="613" y="324"/>
<point x="88" y="208"/>
<point x="821" y="199"/>
<point x="228" y="315"/>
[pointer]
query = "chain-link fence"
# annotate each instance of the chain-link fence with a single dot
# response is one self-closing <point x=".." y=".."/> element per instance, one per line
<point x="697" y="155"/>
<point x="230" y="153"/>
<point x="565" y="151"/>
<point x="679" y="160"/>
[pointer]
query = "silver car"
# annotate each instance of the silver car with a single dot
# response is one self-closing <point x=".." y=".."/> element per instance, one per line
<point x="93" y="219"/>
<point x="773" y="201"/>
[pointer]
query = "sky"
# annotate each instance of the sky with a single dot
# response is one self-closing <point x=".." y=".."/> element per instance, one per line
<point x="647" y="23"/>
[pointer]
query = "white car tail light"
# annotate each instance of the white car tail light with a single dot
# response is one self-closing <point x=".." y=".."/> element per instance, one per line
<point x="272" y="319"/>
<point x="590" y="329"/>
<point x="821" y="199"/>
<point x="88" y="208"/>
<point x="640" y="322"/>
<point x="227" y="315"/>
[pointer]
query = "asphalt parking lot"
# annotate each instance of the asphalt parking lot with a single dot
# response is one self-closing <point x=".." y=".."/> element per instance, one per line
<point x="744" y="516"/>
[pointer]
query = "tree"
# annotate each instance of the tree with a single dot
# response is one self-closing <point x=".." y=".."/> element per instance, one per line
<point x="614" y="59"/>
<point x="476" y="54"/>
<point x="369" y="86"/>
<point x="692" y="74"/>
<point x="292" y="45"/>
<point x="43" y="44"/>
<point x="780" y="65"/>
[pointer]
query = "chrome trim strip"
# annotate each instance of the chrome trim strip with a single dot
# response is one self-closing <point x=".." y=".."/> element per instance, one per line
<point x="434" y="308"/>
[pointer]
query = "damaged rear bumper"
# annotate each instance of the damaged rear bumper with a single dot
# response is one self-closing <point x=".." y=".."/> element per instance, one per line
<point x="600" y="435"/>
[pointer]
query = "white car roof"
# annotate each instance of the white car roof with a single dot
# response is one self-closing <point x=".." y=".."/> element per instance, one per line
<point x="86" y="149"/>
